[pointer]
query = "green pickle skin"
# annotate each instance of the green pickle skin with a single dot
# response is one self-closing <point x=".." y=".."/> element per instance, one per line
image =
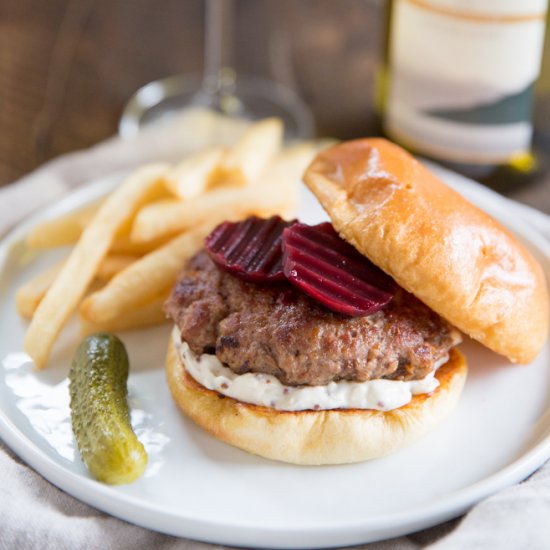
<point x="99" y="411"/>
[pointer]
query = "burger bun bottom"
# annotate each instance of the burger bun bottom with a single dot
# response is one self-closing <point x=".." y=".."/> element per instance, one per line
<point x="315" y="437"/>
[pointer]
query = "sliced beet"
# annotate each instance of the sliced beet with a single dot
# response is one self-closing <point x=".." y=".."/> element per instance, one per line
<point x="327" y="268"/>
<point x="250" y="249"/>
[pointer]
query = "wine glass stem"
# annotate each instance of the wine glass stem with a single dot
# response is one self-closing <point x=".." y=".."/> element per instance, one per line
<point x="219" y="76"/>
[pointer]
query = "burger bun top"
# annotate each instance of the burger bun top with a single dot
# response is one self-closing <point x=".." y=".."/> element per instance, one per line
<point x="434" y="243"/>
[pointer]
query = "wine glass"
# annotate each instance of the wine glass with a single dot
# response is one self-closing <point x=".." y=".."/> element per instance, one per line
<point x="220" y="88"/>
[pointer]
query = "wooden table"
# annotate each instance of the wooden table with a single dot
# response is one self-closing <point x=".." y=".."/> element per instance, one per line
<point x="67" y="67"/>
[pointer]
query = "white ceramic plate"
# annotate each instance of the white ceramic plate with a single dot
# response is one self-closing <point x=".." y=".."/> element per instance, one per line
<point x="200" y="488"/>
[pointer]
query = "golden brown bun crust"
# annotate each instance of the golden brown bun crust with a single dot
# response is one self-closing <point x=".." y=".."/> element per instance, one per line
<point x="434" y="243"/>
<point x="315" y="437"/>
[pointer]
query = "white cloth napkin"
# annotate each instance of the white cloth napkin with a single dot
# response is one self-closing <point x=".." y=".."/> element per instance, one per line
<point x="35" y="514"/>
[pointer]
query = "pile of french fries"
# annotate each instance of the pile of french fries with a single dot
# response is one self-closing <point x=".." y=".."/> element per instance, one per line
<point x="129" y="247"/>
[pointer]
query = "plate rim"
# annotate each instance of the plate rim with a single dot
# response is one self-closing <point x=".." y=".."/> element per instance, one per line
<point x="146" y="515"/>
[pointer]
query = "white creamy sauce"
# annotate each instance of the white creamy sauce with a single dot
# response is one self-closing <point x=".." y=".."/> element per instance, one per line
<point x="268" y="391"/>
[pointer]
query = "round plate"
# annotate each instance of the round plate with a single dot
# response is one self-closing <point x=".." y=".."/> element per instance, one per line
<point x="198" y="487"/>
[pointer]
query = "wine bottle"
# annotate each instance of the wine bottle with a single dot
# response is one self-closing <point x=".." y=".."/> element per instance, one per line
<point x="542" y="103"/>
<point x="459" y="83"/>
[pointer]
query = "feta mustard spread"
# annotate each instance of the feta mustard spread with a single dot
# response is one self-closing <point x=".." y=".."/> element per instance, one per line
<point x="266" y="390"/>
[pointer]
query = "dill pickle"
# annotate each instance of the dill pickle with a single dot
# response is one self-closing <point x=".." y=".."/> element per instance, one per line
<point x="99" y="411"/>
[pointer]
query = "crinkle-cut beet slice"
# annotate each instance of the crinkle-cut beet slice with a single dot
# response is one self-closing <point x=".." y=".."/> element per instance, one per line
<point x="250" y="249"/>
<point x="330" y="270"/>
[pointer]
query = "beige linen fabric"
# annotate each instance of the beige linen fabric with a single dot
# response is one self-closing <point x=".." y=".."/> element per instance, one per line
<point x="35" y="514"/>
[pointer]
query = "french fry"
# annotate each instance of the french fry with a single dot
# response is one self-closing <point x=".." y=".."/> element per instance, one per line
<point x="113" y="264"/>
<point x="124" y="245"/>
<point x="168" y="217"/>
<point x="80" y="268"/>
<point x="236" y="166"/>
<point x="144" y="315"/>
<point x="31" y="293"/>
<point x="247" y="159"/>
<point x="276" y="193"/>
<point x="190" y="177"/>
<point x="144" y="279"/>
<point x="62" y="231"/>
<point x="290" y="164"/>
<point x="66" y="230"/>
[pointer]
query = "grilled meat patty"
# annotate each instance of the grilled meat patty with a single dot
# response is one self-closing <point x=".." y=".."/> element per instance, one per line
<point x="276" y="329"/>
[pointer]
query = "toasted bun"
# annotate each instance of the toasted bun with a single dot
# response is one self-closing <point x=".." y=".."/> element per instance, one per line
<point x="434" y="243"/>
<point x="315" y="437"/>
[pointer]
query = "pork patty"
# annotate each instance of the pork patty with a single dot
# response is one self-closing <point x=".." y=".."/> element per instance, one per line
<point x="278" y="330"/>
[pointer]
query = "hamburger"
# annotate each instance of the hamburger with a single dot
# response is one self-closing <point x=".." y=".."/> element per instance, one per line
<point x="270" y="369"/>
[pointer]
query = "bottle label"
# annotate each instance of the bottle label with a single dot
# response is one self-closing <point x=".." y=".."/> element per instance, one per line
<point x="462" y="74"/>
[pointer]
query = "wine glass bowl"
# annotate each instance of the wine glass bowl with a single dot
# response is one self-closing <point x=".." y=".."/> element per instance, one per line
<point x="247" y="97"/>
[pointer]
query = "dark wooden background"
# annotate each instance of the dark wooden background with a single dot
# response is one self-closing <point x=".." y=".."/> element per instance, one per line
<point x="67" y="67"/>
